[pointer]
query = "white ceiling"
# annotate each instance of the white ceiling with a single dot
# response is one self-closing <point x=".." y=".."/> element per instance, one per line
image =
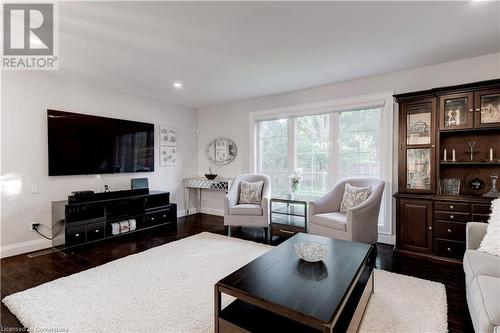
<point x="225" y="51"/>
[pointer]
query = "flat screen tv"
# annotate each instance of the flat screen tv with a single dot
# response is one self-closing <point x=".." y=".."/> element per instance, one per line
<point x="80" y="144"/>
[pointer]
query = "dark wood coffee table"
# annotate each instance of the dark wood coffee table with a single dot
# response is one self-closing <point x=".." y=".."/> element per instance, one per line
<point x="278" y="292"/>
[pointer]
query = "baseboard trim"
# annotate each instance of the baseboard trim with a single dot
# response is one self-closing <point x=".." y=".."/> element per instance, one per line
<point x="204" y="210"/>
<point x="181" y="213"/>
<point x="24" y="247"/>
<point x="386" y="239"/>
<point x="212" y="211"/>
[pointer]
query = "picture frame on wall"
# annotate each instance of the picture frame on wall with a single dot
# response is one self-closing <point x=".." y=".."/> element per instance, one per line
<point x="168" y="156"/>
<point x="168" y="136"/>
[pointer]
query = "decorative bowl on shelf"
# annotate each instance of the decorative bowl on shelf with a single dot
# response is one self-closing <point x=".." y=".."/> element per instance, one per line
<point x="310" y="251"/>
<point x="211" y="176"/>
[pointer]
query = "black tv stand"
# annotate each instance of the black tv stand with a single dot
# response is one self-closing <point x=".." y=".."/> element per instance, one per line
<point x="89" y="218"/>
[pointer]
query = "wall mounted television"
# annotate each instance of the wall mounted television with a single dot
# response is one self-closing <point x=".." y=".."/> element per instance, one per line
<point x="81" y="144"/>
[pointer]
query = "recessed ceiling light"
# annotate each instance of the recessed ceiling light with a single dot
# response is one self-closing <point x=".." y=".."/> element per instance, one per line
<point x="177" y="85"/>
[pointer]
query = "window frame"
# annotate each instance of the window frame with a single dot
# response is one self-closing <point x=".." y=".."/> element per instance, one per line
<point x="381" y="100"/>
<point x="257" y="146"/>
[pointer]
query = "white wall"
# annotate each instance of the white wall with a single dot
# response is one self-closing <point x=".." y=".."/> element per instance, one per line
<point x="231" y="120"/>
<point x="25" y="98"/>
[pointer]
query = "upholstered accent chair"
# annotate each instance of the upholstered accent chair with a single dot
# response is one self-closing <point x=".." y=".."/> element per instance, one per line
<point x="359" y="224"/>
<point x="247" y="215"/>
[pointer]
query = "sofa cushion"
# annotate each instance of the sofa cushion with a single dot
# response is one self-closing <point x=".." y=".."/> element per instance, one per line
<point x="246" y="209"/>
<point x="335" y="220"/>
<point x="480" y="263"/>
<point x="490" y="291"/>
<point x="491" y="241"/>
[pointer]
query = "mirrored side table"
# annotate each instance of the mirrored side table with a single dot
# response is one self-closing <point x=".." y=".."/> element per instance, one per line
<point x="198" y="184"/>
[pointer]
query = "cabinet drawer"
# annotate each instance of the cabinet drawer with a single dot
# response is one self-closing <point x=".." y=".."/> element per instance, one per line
<point x="75" y="235"/>
<point x="451" y="207"/>
<point x="95" y="231"/>
<point x="450" y="230"/>
<point x="151" y="219"/>
<point x="481" y="209"/>
<point x="157" y="217"/>
<point x="480" y="218"/>
<point x="450" y="249"/>
<point x="285" y="230"/>
<point x="452" y="216"/>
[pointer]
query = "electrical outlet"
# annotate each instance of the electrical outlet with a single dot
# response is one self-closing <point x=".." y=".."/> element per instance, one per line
<point x="34" y="226"/>
<point x="34" y="188"/>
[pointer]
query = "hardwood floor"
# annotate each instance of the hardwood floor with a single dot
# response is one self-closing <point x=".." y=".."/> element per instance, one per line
<point x="22" y="272"/>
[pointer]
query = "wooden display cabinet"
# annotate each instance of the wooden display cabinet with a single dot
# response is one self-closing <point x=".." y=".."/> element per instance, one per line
<point x="430" y="223"/>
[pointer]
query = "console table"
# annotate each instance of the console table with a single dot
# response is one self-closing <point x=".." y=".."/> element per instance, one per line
<point x="201" y="183"/>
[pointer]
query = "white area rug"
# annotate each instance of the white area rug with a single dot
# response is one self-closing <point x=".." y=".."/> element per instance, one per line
<point x="404" y="304"/>
<point x="170" y="288"/>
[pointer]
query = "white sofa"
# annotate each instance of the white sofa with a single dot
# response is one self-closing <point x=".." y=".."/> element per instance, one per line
<point x="482" y="281"/>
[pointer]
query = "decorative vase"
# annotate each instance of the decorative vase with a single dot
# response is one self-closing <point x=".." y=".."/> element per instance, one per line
<point x="493" y="193"/>
<point x="295" y="186"/>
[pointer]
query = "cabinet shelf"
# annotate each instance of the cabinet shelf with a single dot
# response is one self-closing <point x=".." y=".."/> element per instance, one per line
<point x="470" y="163"/>
<point x="462" y="131"/>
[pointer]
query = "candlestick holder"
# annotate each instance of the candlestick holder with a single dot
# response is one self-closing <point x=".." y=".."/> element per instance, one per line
<point x="471" y="150"/>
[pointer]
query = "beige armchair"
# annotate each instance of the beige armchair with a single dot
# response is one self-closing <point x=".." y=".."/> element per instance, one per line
<point x="247" y="215"/>
<point x="359" y="224"/>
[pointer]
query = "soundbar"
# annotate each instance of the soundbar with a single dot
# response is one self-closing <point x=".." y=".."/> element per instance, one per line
<point x="89" y="196"/>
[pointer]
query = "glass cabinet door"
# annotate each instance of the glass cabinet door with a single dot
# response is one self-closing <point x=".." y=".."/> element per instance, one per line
<point x="417" y="151"/>
<point x="418" y="169"/>
<point x="487" y="104"/>
<point x="456" y="111"/>
<point x="419" y="124"/>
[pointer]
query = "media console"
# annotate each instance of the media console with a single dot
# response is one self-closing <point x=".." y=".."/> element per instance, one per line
<point x="90" y="218"/>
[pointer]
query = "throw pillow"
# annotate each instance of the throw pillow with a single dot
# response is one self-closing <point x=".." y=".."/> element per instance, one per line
<point x="251" y="193"/>
<point x="491" y="241"/>
<point x="353" y="196"/>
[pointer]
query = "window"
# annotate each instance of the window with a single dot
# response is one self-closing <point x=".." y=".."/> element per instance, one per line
<point x="359" y="144"/>
<point x="273" y="153"/>
<point x="306" y="145"/>
<point x="326" y="142"/>
<point x="311" y="153"/>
